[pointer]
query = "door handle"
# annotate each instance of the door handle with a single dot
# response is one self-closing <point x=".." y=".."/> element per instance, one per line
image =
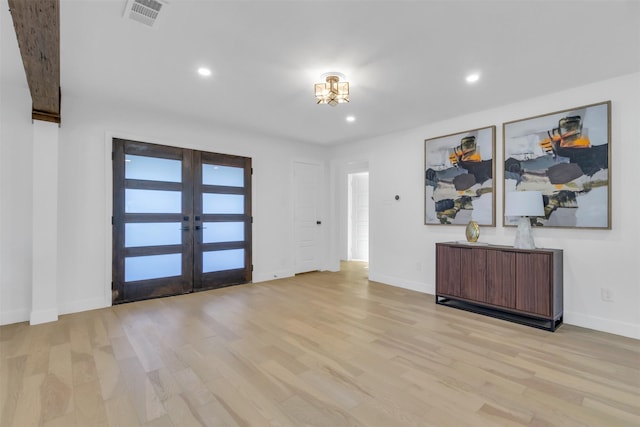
<point x="185" y="228"/>
<point x="199" y="227"/>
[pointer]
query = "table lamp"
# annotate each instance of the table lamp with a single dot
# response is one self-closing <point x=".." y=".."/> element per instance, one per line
<point x="524" y="204"/>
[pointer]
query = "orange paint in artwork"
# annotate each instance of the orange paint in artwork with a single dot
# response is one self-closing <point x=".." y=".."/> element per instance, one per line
<point x="580" y="142"/>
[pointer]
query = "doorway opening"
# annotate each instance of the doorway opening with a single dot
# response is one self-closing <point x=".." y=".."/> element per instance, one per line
<point x="358" y="217"/>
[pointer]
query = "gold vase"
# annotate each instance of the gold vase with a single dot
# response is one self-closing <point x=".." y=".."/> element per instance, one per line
<point x="472" y="232"/>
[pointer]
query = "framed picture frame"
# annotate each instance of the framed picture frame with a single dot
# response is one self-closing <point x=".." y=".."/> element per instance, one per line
<point x="566" y="155"/>
<point x="459" y="178"/>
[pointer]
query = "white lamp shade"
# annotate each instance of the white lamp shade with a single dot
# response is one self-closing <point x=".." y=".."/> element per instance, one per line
<point x="523" y="203"/>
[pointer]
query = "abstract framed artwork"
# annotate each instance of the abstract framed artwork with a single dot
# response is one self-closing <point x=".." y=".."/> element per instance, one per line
<point x="566" y="155"/>
<point x="459" y="171"/>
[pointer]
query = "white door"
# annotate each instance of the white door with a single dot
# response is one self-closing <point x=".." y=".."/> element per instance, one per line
<point x="359" y="216"/>
<point x="306" y="218"/>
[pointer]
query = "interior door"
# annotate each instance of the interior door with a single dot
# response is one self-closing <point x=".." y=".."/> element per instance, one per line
<point x="181" y="220"/>
<point x="306" y="218"/>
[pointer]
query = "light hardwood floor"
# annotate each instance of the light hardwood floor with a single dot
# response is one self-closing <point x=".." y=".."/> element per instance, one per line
<point x="320" y="349"/>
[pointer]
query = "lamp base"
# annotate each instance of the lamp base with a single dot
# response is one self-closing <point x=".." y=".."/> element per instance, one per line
<point x="524" y="235"/>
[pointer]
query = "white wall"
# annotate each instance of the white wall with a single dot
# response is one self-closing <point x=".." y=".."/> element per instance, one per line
<point x="84" y="245"/>
<point x="402" y="248"/>
<point x="16" y="169"/>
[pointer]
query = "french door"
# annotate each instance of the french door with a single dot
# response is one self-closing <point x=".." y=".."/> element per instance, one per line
<point x="181" y="220"/>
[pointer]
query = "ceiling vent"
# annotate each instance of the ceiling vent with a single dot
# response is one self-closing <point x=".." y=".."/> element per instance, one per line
<point x="146" y="12"/>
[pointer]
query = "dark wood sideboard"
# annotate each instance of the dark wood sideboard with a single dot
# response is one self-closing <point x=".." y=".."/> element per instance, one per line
<point x="519" y="285"/>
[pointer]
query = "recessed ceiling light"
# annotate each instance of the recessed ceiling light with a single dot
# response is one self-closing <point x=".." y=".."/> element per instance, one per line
<point x="351" y="119"/>
<point x="205" y="72"/>
<point x="472" y="78"/>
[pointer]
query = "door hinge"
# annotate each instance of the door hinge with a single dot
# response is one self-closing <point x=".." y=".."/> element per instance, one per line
<point x="251" y="220"/>
<point x="251" y="171"/>
<point x="112" y="155"/>
<point x="112" y="220"/>
<point x="251" y="267"/>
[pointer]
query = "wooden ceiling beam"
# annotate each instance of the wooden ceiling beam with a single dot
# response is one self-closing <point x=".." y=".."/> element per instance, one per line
<point x="37" y="25"/>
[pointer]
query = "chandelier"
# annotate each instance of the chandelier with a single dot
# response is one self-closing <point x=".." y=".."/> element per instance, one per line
<point x="332" y="92"/>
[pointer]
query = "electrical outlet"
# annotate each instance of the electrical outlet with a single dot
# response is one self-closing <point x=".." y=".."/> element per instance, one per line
<point x="606" y="294"/>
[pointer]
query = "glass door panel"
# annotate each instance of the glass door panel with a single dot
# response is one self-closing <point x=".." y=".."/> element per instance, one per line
<point x="222" y="175"/>
<point x="152" y="234"/>
<point x="152" y="168"/>
<point x="152" y="201"/>
<point x="231" y="259"/>
<point x="217" y="232"/>
<point x="152" y="267"/>
<point x="213" y="203"/>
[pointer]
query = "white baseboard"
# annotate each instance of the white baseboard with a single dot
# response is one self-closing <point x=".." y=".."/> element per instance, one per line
<point x="624" y="329"/>
<point x="333" y="266"/>
<point x="43" y="316"/>
<point x="82" y="305"/>
<point x="273" y="275"/>
<point x="15" y="316"/>
<point x="402" y="283"/>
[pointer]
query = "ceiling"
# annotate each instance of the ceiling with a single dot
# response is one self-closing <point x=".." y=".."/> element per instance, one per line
<point x="406" y="61"/>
